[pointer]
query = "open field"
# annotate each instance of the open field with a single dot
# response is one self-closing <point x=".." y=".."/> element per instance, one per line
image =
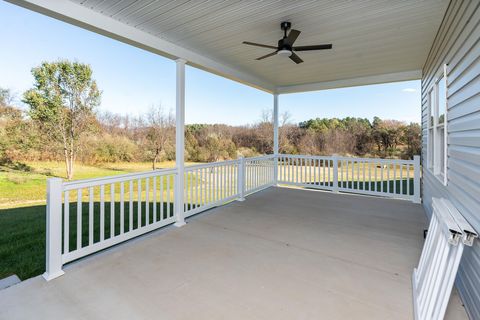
<point x="19" y="188"/>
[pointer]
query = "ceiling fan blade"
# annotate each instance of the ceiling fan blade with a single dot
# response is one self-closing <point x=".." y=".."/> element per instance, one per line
<point x="316" y="47"/>
<point x="292" y="36"/>
<point x="295" y="58"/>
<point x="259" y="45"/>
<point x="267" y="55"/>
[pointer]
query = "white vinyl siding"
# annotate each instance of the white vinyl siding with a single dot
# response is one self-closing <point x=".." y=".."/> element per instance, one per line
<point x="457" y="44"/>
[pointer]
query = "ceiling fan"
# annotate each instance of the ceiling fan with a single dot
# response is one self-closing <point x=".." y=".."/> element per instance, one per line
<point x="285" y="45"/>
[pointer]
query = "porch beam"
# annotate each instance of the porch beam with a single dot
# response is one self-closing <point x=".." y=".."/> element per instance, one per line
<point x="180" y="143"/>
<point x="360" y="81"/>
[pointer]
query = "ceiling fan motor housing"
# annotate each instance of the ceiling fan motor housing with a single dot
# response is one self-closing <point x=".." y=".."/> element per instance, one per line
<point x="285" y="25"/>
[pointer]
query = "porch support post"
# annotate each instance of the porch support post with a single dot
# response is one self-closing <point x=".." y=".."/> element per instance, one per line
<point x="180" y="143"/>
<point x="275" y="137"/>
<point x="53" y="267"/>
<point x="416" y="180"/>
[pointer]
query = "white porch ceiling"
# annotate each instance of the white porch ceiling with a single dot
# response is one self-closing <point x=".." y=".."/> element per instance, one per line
<point x="373" y="40"/>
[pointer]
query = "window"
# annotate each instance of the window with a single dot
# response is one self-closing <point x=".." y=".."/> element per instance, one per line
<point x="437" y="133"/>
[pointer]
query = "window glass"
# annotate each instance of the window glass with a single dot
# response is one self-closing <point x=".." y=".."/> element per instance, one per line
<point x="430" y="149"/>
<point x="442" y="100"/>
<point x="441" y="149"/>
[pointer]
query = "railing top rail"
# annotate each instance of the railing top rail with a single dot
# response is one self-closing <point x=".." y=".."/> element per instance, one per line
<point x="378" y="160"/>
<point x="264" y="157"/>
<point x="211" y="164"/>
<point x="85" y="183"/>
<point x="300" y="156"/>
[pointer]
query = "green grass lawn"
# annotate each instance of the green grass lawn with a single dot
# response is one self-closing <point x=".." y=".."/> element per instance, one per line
<point x="25" y="188"/>
<point x="22" y="241"/>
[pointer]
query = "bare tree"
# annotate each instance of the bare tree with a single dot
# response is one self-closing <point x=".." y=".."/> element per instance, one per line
<point x="160" y="130"/>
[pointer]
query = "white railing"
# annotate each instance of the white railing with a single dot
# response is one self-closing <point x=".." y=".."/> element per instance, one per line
<point x="382" y="177"/>
<point x="209" y="185"/>
<point x="432" y="281"/>
<point x="259" y="173"/>
<point x="86" y="216"/>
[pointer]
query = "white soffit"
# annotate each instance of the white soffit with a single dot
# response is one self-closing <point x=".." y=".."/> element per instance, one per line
<point x="373" y="41"/>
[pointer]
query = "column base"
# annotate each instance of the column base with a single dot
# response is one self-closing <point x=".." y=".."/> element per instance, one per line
<point x="179" y="224"/>
<point x="51" y="276"/>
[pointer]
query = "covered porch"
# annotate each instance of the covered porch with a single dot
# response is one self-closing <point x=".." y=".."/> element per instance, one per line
<point x="283" y="253"/>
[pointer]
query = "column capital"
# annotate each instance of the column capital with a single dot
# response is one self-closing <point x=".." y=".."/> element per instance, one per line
<point x="180" y="61"/>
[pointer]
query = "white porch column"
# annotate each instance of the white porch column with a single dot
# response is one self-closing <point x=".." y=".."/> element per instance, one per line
<point x="180" y="143"/>
<point x="53" y="267"/>
<point x="275" y="137"/>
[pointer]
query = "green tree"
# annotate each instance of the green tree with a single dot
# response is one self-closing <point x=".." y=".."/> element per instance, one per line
<point x="62" y="104"/>
<point x="412" y="138"/>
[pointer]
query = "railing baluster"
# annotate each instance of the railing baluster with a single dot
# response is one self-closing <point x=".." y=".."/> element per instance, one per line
<point x="298" y="168"/>
<point x="369" y="176"/>
<point x="102" y="212"/>
<point x="112" y="210"/>
<point x="139" y="203"/>
<point x="382" y="179"/>
<point x="224" y="173"/>
<point x="217" y="183"/>
<point x="90" y="216"/>
<point x="395" y="178"/>
<point x="154" y="200"/>
<point x="197" y="187"/>
<point x="79" y="219"/>
<point x="147" y="201"/>
<point x="168" y="178"/>
<point x="162" y="202"/>
<point x="66" y="222"/>
<point x="401" y="179"/>
<point x="408" y="179"/>
<point x="325" y="163"/>
<point x="122" y="207"/>
<point x="330" y="167"/>
<point x="205" y="186"/>
<point x="354" y="178"/>
<point x="347" y="174"/>
<point x="130" y="207"/>
<point x="363" y="187"/>
<point x="185" y="191"/>
<point x="190" y="190"/>
<point x="388" y="178"/>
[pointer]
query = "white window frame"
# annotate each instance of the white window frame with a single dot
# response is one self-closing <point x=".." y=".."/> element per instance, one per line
<point x="436" y="160"/>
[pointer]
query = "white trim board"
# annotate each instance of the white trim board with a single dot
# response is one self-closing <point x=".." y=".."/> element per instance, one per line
<point x="360" y="81"/>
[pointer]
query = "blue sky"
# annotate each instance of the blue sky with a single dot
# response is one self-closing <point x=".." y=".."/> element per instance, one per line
<point x="132" y="80"/>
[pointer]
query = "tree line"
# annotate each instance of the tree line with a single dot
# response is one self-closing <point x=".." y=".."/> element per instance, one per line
<point x="61" y="121"/>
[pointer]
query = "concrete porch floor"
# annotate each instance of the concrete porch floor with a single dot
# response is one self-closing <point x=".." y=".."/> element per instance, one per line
<point x="281" y="254"/>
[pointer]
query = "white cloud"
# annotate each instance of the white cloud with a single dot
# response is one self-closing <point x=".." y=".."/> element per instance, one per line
<point x="409" y="90"/>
